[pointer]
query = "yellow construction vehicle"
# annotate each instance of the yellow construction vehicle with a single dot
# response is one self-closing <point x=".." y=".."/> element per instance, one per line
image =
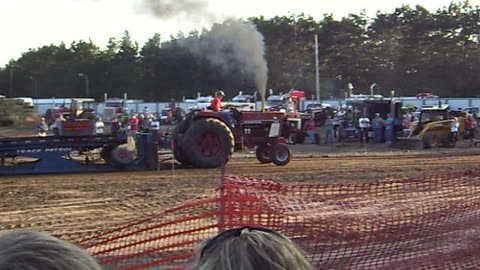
<point x="434" y="129"/>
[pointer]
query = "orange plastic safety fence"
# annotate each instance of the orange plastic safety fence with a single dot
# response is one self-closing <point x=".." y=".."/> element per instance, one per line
<point x="424" y="223"/>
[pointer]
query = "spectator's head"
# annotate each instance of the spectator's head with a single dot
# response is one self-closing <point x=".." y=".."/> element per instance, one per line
<point x="377" y="115"/>
<point x="250" y="248"/>
<point x="23" y="249"/>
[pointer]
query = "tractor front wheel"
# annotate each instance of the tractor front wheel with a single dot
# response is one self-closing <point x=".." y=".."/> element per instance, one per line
<point x="263" y="153"/>
<point x="280" y="154"/>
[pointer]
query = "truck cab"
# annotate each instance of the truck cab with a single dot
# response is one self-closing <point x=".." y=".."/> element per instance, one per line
<point x="242" y="102"/>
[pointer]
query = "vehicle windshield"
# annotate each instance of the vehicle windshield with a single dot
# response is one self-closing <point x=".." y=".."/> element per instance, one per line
<point x="314" y="106"/>
<point x="432" y="115"/>
<point x="239" y="100"/>
<point x="114" y="104"/>
<point x="88" y="105"/>
<point x="274" y="102"/>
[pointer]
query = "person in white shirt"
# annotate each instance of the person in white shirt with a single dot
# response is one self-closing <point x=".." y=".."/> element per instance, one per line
<point x="155" y="127"/>
<point x="290" y="105"/>
<point x="454" y="130"/>
<point x="364" y="125"/>
<point x="99" y="126"/>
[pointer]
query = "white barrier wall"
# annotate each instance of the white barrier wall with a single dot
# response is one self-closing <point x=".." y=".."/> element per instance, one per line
<point x="156" y="107"/>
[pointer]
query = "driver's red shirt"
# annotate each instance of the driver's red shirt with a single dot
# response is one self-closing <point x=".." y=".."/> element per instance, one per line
<point x="216" y="104"/>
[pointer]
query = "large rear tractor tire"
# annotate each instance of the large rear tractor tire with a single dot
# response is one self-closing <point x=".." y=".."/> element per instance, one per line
<point x="263" y="153"/>
<point x="280" y="154"/>
<point x="431" y="140"/>
<point x="209" y="142"/>
<point x="178" y="152"/>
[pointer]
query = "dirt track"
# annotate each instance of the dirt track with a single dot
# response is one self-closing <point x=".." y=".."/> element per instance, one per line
<point x="76" y="204"/>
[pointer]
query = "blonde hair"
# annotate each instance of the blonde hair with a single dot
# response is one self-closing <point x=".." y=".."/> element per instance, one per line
<point x="24" y="249"/>
<point x="250" y="248"/>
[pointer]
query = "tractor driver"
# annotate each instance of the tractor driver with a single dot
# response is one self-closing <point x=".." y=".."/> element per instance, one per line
<point x="217" y="106"/>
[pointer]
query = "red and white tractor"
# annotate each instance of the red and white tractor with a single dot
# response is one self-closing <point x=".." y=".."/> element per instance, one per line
<point x="204" y="139"/>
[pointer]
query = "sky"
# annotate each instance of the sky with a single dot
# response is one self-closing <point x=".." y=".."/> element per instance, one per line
<point x="26" y="24"/>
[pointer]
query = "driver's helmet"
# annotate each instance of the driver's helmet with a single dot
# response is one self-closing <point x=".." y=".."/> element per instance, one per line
<point x="220" y="93"/>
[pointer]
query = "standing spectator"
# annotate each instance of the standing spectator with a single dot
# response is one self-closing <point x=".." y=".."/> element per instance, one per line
<point x="378" y="125"/>
<point x="364" y="125"/>
<point x="145" y="125"/>
<point x="146" y="111"/>
<point x="99" y="126"/>
<point x="470" y="125"/>
<point x="290" y="105"/>
<point x="141" y="117"/>
<point x="454" y="130"/>
<point x="155" y="128"/>
<point x="115" y="125"/>
<point x="309" y="128"/>
<point x="58" y="126"/>
<point x="133" y="124"/>
<point x="390" y="129"/>
<point x="42" y="128"/>
<point x="172" y="105"/>
<point x="329" y="130"/>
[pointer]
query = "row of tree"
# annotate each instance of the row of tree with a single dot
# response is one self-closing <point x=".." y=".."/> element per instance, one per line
<point x="411" y="50"/>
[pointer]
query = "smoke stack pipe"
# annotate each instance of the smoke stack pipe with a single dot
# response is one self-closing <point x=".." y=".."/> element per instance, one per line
<point x="372" y="88"/>
<point x="350" y="89"/>
<point x="262" y="97"/>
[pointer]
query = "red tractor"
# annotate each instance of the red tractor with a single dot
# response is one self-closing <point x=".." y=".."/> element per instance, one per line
<point x="205" y="140"/>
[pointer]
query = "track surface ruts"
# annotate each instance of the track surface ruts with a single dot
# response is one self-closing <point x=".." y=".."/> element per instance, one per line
<point x="76" y="204"/>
